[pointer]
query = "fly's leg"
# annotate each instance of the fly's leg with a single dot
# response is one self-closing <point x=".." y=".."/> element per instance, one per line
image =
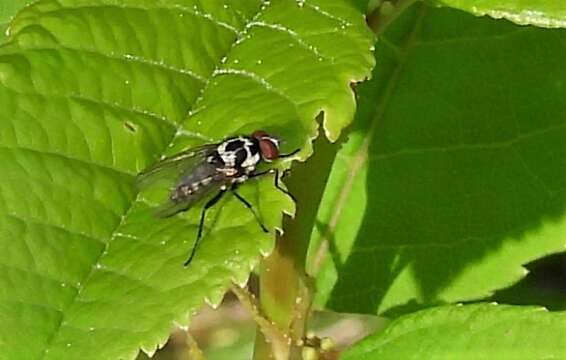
<point x="275" y="180"/>
<point x="289" y="154"/>
<point x="249" y="206"/>
<point x="276" y="183"/>
<point x="208" y="205"/>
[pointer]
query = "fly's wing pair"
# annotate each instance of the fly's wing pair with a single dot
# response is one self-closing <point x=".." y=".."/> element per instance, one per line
<point x="177" y="170"/>
<point x="174" y="166"/>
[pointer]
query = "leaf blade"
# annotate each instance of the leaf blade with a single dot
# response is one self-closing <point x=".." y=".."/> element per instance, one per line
<point x="93" y="93"/>
<point x="481" y="331"/>
<point x="539" y="13"/>
<point x="455" y="183"/>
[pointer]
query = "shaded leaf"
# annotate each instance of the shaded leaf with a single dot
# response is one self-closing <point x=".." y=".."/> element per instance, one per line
<point x="454" y="176"/>
<point x="94" y="91"/>
<point x="482" y="331"/>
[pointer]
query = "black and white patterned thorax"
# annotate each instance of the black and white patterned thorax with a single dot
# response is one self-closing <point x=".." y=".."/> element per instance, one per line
<point x="241" y="154"/>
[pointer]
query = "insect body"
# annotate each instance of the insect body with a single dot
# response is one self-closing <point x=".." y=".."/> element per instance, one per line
<point x="219" y="168"/>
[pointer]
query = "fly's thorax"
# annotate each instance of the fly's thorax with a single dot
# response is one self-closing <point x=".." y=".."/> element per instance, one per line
<point x="239" y="153"/>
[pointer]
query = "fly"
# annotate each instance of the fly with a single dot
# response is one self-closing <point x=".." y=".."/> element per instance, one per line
<point x="214" y="168"/>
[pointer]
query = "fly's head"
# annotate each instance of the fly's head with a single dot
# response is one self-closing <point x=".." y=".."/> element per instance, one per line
<point x="268" y="145"/>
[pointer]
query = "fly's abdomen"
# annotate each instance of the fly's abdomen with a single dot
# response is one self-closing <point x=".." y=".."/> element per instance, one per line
<point x="192" y="187"/>
<point x="196" y="183"/>
<point x="188" y="191"/>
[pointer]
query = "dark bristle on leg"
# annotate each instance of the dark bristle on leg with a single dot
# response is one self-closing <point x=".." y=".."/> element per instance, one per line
<point x="208" y="205"/>
<point x="249" y="206"/>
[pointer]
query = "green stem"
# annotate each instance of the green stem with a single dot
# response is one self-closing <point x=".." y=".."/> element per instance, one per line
<point x="193" y="349"/>
<point x="276" y="341"/>
<point x="285" y="288"/>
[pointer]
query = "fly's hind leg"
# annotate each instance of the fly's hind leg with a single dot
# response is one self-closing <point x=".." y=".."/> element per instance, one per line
<point x="248" y="205"/>
<point x="207" y="206"/>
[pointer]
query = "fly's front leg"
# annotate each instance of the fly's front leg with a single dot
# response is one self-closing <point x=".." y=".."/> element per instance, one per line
<point x="208" y="205"/>
<point x="275" y="180"/>
<point x="248" y="205"/>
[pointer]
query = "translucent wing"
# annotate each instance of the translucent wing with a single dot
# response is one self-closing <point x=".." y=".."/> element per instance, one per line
<point x="180" y="200"/>
<point x="171" y="168"/>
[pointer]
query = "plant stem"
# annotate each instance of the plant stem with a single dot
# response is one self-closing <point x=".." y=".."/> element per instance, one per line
<point x="285" y="288"/>
<point x="193" y="349"/>
<point x="279" y="341"/>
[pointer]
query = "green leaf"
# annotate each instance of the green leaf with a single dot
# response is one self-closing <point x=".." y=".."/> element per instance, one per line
<point x="482" y="331"/>
<point x="544" y="13"/>
<point x="94" y="91"/>
<point x="7" y="10"/>
<point x="543" y="285"/>
<point x="454" y="176"/>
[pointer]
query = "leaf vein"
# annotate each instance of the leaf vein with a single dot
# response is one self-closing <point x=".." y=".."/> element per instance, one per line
<point x="298" y="39"/>
<point x="361" y="157"/>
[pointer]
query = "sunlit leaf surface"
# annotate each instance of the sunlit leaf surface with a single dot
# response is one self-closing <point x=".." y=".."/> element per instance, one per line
<point x="483" y="331"/>
<point x="94" y="91"/>
<point x="544" y="13"/>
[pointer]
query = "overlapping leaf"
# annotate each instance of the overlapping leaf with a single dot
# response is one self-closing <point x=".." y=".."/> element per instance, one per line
<point x="482" y="331"/>
<point x="454" y="177"/>
<point x="92" y="92"/>
<point x="544" y="13"/>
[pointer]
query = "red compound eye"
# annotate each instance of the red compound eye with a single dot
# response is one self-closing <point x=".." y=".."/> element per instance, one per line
<point x="268" y="148"/>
